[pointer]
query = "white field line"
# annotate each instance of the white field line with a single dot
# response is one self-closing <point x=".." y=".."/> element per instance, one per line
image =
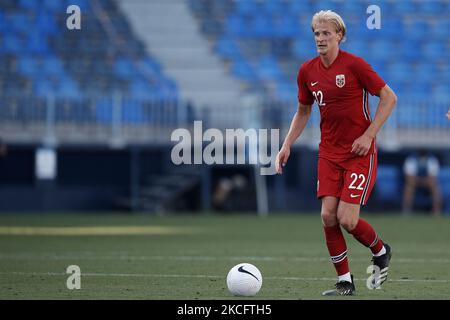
<point x="200" y="258"/>
<point x="155" y="275"/>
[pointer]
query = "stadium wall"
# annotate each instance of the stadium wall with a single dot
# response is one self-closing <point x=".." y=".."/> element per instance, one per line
<point x="135" y="178"/>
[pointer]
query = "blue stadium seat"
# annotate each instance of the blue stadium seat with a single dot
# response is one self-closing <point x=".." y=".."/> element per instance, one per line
<point x="392" y="29"/>
<point x="46" y="24"/>
<point x="132" y="112"/>
<point x="425" y="72"/>
<point x="124" y="68"/>
<point x="441" y="90"/>
<point x="399" y="71"/>
<point x="83" y="4"/>
<point x="28" y="66"/>
<point x="54" y="5"/>
<point x="444" y="73"/>
<point x="435" y="51"/>
<point x="405" y="7"/>
<point x="37" y="43"/>
<point x="298" y="7"/>
<point x="236" y="26"/>
<point x="12" y="44"/>
<point x="440" y="30"/>
<point x="260" y="27"/>
<point x="52" y="66"/>
<point x="387" y="186"/>
<point x="286" y="26"/>
<point x="141" y="90"/>
<point x="227" y="48"/>
<point x="104" y="110"/>
<point x="444" y="181"/>
<point x="44" y="88"/>
<point x="421" y="29"/>
<point x="30" y="4"/>
<point x="268" y="69"/>
<point x="68" y="89"/>
<point x="432" y="7"/>
<point x="243" y="70"/>
<point x="304" y="49"/>
<point x="383" y="49"/>
<point x="356" y="46"/>
<point x="19" y="23"/>
<point x="353" y="7"/>
<point x="272" y="7"/>
<point x="409" y="50"/>
<point x="248" y="7"/>
<point x="287" y="91"/>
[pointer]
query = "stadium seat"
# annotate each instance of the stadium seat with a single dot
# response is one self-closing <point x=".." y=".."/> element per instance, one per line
<point x="132" y="112"/>
<point x="435" y="51"/>
<point x="227" y="48"/>
<point x="444" y="181"/>
<point x="267" y="68"/>
<point x="298" y="7"/>
<point x="285" y="26"/>
<point x="260" y="27"/>
<point x="52" y="66"/>
<point x="408" y="50"/>
<point x="29" y="4"/>
<point x="440" y="29"/>
<point x="248" y="7"/>
<point x="104" y="110"/>
<point x="432" y="7"/>
<point x="236" y="26"/>
<point x="124" y="68"/>
<point x="243" y="70"/>
<point x="425" y="72"/>
<point x="421" y="29"/>
<point x="54" y="5"/>
<point x="405" y="7"/>
<point x="28" y="66"/>
<point x="303" y="49"/>
<point x="387" y="186"/>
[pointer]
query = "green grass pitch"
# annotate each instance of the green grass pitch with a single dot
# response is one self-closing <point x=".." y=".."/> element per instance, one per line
<point x="127" y="256"/>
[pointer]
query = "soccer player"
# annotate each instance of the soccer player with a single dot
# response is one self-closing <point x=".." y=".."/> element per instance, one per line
<point x="340" y="83"/>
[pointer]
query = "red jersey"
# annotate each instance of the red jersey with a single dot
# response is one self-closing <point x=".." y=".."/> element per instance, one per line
<point x="341" y="92"/>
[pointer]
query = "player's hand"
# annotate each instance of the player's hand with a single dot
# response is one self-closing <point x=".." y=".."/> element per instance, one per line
<point x="361" y="145"/>
<point x="448" y="114"/>
<point x="281" y="159"/>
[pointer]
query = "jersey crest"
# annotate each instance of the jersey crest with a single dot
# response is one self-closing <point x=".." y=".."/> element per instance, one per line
<point x="340" y="80"/>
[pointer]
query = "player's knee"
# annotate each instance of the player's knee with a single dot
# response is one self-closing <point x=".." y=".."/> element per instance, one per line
<point x="347" y="222"/>
<point x="329" y="218"/>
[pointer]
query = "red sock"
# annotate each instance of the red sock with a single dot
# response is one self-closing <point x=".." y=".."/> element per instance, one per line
<point x="337" y="248"/>
<point x="365" y="234"/>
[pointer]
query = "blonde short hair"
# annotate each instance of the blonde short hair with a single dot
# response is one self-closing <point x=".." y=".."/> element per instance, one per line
<point x="330" y="16"/>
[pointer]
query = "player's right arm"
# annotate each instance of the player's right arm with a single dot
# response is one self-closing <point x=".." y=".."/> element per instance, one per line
<point x="298" y="123"/>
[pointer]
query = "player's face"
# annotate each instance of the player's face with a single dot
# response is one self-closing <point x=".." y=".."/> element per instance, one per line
<point x="326" y="37"/>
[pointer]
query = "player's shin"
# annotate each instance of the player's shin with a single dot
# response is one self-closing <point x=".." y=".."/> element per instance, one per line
<point x="338" y="249"/>
<point x="366" y="235"/>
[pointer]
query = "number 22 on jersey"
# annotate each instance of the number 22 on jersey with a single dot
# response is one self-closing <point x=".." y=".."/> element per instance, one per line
<point x="318" y="95"/>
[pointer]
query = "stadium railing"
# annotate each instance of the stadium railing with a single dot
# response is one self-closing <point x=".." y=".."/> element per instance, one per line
<point x="123" y="119"/>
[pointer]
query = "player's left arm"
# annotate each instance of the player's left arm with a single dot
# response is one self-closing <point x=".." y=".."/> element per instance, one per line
<point x="388" y="100"/>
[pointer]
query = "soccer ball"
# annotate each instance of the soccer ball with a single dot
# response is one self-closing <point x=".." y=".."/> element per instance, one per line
<point x="244" y="279"/>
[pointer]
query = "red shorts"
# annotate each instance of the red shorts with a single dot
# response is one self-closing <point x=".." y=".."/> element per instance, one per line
<point x="350" y="180"/>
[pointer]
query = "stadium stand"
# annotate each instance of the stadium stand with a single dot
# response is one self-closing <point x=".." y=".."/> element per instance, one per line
<point x="80" y="70"/>
<point x="262" y="42"/>
<point x="266" y="41"/>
